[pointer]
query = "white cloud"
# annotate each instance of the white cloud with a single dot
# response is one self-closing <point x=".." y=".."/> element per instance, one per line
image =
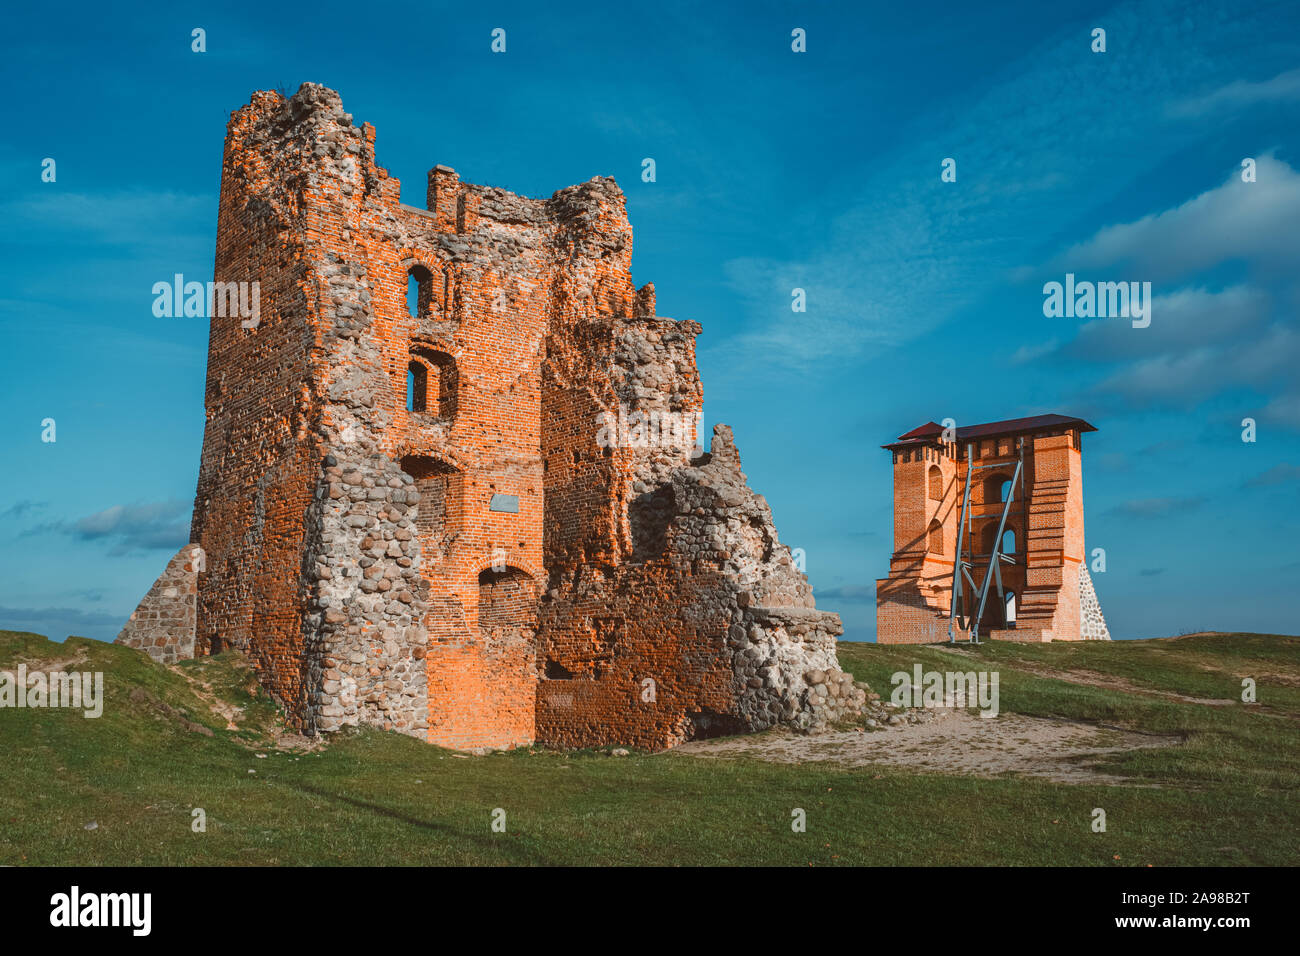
<point x="1236" y="221"/>
<point x="127" y="528"/>
<point x="1185" y="378"/>
<point x="1242" y="93"/>
<point x="1187" y="318"/>
<point x="1202" y="342"/>
<point x="903" y="253"/>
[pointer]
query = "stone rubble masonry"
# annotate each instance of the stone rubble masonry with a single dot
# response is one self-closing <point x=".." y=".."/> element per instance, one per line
<point x="637" y="595"/>
<point x="1054" y="595"/>
<point x="1092" y="623"/>
<point x="163" y="624"/>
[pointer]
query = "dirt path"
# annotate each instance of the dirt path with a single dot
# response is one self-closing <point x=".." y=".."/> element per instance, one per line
<point x="961" y="742"/>
<point x="1087" y="678"/>
<point x="46" y="665"/>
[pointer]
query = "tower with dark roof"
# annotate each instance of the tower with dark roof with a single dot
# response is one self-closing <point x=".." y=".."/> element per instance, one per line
<point x="951" y="492"/>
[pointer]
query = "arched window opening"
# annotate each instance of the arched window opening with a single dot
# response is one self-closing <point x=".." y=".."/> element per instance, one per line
<point x="1009" y="541"/>
<point x="987" y="537"/>
<point x="433" y="480"/>
<point x="419" y="291"/>
<point x="1011" y="609"/>
<point x="507" y="602"/>
<point x="417" y="382"/>
<point x="431" y="382"/>
<point x="936" y="537"/>
<point x="995" y="489"/>
<point x="936" y="483"/>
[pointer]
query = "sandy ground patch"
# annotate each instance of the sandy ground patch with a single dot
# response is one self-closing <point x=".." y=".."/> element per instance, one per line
<point x="227" y="711"/>
<point x="960" y="743"/>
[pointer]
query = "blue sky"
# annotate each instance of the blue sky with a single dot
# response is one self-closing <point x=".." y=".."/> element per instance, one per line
<point x="775" y="170"/>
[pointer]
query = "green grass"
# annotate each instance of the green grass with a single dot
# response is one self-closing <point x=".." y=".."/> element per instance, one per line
<point x="1225" y="796"/>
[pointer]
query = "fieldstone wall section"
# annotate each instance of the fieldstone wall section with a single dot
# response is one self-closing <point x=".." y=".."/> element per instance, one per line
<point x="1092" y="623"/>
<point x="162" y="625"/>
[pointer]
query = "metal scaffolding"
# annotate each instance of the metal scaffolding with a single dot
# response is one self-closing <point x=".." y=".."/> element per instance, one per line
<point x="963" y="564"/>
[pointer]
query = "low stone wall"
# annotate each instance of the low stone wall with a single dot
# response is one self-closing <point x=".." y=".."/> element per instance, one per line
<point x="163" y="624"/>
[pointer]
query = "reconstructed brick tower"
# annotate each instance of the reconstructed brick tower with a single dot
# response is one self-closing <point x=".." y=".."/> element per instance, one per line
<point x="419" y="518"/>
<point x="1048" y="593"/>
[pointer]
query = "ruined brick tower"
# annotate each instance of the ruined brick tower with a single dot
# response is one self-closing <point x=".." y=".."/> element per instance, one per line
<point x="1047" y="591"/>
<point x="463" y="516"/>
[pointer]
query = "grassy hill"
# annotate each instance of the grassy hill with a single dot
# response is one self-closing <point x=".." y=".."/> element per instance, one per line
<point x="202" y="736"/>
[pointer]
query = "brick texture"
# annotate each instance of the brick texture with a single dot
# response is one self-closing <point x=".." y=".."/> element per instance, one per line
<point x="1048" y="578"/>
<point x="628" y="588"/>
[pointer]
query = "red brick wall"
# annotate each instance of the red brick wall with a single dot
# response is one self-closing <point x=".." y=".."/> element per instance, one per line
<point x="260" y="452"/>
<point x="913" y="602"/>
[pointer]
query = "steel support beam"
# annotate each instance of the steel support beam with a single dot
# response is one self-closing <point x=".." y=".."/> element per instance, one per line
<point x="995" y="568"/>
<point x="957" y="564"/>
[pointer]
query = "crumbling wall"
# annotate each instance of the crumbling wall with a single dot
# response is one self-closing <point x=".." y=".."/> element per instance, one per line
<point x="261" y="452"/>
<point x="355" y="538"/>
<point x="282" y="518"/>
<point x="714" y="634"/>
<point x="164" y="622"/>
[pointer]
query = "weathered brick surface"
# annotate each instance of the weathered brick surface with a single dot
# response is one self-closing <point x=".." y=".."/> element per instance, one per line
<point x="1049" y="578"/>
<point x="163" y="624"/>
<point x="706" y="605"/>
<point x="354" y="548"/>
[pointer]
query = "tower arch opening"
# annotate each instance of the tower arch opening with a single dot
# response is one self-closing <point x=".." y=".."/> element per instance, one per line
<point x="507" y="603"/>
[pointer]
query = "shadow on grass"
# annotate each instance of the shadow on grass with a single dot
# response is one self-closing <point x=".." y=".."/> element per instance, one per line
<point x="484" y="843"/>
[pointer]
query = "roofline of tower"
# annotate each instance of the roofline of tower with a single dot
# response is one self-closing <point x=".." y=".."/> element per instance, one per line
<point x="930" y="432"/>
<point x="1015" y="426"/>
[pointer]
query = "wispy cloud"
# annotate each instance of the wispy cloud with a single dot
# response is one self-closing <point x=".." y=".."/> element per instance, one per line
<point x="848" y="593"/>
<point x="1284" y="410"/>
<point x="1154" y="507"/>
<point x="1239" y="94"/>
<point x="162" y="525"/>
<point x="1236" y="221"/>
<point x="1277" y="475"/>
<point x="1188" y="318"/>
<point x="21" y="508"/>
<point x="1202" y="342"/>
<point x="136" y="219"/>
<point x="904" y="252"/>
<point x="1186" y="378"/>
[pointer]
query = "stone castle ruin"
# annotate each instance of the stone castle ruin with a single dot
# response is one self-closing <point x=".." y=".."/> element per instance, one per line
<point x="437" y="492"/>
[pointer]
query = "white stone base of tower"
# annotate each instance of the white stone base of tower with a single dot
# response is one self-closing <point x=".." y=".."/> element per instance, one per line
<point x="1092" y="625"/>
